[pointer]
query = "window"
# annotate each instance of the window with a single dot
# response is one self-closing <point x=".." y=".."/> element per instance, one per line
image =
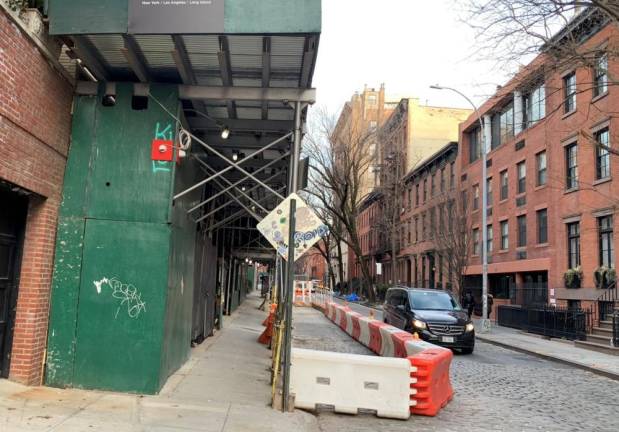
<point x="600" y="75"/>
<point x="571" y="166"/>
<point x="373" y="125"/>
<point x="416" y="229"/>
<point x="464" y="199"/>
<point x="573" y="244"/>
<point x="504" y="235"/>
<point x="443" y="180"/>
<point x="540" y="162"/>
<point x="432" y="186"/>
<point x="423" y="227"/>
<point x="504" y="185"/>
<point x="409" y="201"/>
<point x="417" y="195"/>
<point x="432" y="222"/>
<point x="522" y="177"/>
<point x="409" y="233"/>
<point x="535" y="106"/>
<point x="474" y="145"/>
<point x="371" y="100"/>
<point x="602" y="156"/>
<point x="606" y="246"/>
<point x="452" y="175"/>
<point x="476" y="241"/>
<point x="522" y="230"/>
<point x="569" y="92"/>
<point x="506" y="125"/>
<point x="489" y="192"/>
<point x="542" y="226"/>
<point x="489" y="239"/>
<point x="425" y="190"/>
<point x="475" y="197"/>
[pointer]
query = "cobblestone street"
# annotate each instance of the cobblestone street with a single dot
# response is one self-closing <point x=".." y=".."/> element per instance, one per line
<point x="495" y="390"/>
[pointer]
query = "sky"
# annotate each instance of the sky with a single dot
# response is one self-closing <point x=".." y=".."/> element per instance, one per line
<point x="406" y="44"/>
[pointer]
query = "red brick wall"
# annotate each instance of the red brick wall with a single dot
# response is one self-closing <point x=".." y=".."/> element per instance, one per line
<point x="35" y="124"/>
<point x="551" y="134"/>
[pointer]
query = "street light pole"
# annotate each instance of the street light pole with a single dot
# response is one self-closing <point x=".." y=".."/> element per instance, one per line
<point x="485" y="322"/>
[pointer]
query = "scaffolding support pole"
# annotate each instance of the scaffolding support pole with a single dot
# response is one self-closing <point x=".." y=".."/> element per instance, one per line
<point x="294" y="180"/>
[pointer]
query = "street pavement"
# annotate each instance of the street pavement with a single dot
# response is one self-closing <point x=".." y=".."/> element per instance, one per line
<point x="495" y="390"/>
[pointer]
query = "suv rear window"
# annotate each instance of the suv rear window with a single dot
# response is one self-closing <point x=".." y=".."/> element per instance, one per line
<point x="427" y="300"/>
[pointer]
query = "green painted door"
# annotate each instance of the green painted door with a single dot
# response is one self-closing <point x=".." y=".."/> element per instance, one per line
<point x="121" y="306"/>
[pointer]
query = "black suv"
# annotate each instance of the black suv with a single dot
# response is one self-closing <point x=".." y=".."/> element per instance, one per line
<point x="433" y="314"/>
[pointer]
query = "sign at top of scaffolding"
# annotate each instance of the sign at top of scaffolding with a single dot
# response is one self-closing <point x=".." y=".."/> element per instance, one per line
<point x="176" y="16"/>
<point x="308" y="227"/>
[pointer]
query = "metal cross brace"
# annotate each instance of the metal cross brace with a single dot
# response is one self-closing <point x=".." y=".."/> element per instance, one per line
<point x="238" y="214"/>
<point x="232" y="165"/>
<point x="210" y="170"/>
<point x="203" y="203"/>
<point x="228" y="203"/>
<point x="234" y="197"/>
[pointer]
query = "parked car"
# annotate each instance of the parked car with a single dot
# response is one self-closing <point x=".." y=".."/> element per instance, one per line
<point x="435" y="315"/>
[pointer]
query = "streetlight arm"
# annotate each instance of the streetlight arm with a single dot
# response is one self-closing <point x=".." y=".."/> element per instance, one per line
<point x="484" y="212"/>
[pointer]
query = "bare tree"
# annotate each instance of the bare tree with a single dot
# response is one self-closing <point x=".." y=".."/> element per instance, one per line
<point x="451" y="235"/>
<point x="512" y="32"/>
<point x="392" y="155"/>
<point x="340" y="159"/>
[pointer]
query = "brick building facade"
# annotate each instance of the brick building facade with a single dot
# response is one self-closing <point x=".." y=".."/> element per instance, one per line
<point x="551" y="212"/>
<point x="35" y="119"/>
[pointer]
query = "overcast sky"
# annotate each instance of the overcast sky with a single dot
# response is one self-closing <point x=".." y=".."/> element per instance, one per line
<point x="407" y="44"/>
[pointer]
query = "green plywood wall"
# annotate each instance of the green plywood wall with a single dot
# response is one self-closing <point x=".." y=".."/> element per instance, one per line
<point x="87" y="16"/>
<point x="241" y="16"/>
<point x="111" y="305"/>
<point x="69" y="243"/>
<point x="273" y="16"/>
<point x="181" y="277"/>
<point x="121" y="306"/>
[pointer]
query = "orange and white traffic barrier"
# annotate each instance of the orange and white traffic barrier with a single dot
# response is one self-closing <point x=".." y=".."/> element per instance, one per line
<point x="432" y="385"/>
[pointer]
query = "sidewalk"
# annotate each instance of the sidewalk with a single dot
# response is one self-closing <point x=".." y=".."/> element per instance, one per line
<point x="554" y="349"/>
<point x="223" y="387"/>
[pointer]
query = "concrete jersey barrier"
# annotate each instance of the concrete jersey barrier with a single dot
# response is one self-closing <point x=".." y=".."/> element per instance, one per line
<point x="351" y="382"/>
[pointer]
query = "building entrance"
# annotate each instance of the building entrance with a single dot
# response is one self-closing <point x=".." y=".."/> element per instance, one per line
<point x="12" y="222"/>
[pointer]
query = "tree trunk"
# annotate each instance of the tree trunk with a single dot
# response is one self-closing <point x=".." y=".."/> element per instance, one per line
<point x="340" y="261"/>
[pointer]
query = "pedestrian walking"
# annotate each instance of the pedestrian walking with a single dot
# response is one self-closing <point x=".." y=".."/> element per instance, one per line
<point x="490" y="302"/>
<point x="469" y="303"/>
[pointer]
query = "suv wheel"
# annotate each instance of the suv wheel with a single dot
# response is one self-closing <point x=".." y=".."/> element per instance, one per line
<point x="468" y="350"/>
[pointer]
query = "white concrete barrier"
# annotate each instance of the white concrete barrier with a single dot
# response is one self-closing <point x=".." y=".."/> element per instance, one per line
<point x="387" y="349"/>
<point x="417" y="346"/>
<point x="364" y="335"/>
<point x="350" y="382"/>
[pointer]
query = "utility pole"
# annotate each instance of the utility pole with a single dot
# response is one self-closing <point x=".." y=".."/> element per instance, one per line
<point x="485" y="138"/>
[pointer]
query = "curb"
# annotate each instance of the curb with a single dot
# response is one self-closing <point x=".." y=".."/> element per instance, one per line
<point x="597" y="371"/>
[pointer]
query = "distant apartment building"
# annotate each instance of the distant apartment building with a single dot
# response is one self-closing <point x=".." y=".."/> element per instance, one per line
<point x="551" y="181"/>
<point x="411" y="136"/>
<point x="364" y="114"/>
<point x="429" y="199"/>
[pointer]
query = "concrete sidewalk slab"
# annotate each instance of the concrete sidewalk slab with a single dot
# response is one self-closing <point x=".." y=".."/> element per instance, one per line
<point x="555" y="350"/>
<point x="224" y="387"/>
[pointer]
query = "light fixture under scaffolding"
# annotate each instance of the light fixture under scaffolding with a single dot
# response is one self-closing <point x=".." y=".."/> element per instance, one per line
<point x="225" y="132"/>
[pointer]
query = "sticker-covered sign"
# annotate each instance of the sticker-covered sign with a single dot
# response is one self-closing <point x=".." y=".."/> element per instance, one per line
<point x="308" y="227"/>
<point x="176" y="16"/>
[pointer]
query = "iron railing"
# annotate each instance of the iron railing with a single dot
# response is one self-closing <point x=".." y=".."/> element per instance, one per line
<point x="550" y="321"/>
<point x="616" y="329"/>
<point x="606" y="302"/>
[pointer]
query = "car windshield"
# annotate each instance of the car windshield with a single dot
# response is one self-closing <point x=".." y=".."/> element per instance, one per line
<point x="427" y="300"/>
